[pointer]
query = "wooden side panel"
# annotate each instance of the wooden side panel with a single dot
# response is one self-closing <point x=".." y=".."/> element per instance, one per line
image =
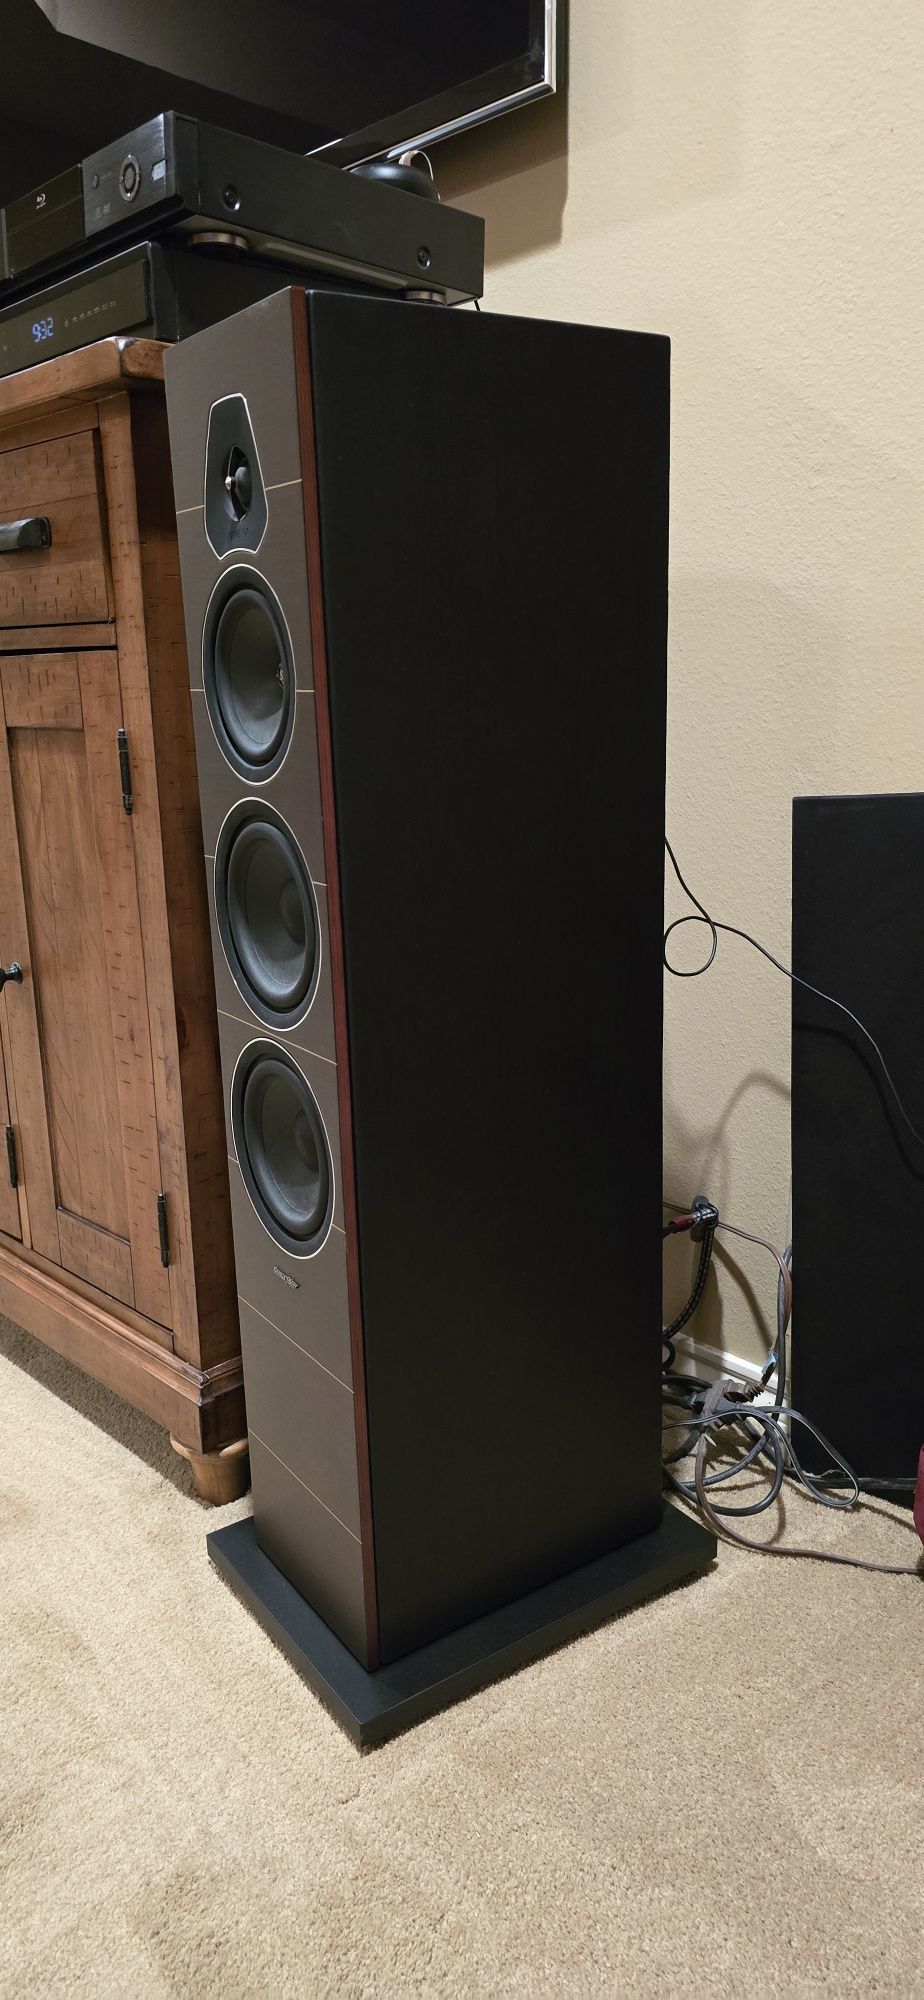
<point x="115" y="833"/>
<point x="9" y="1199"/>
<point x="42" y="694"/>
<point x="22" y="1042"/>
<point x="76" y="857"/>
<point x="55" y="819"/>
<point x="103" y="1259"/>
<point x="68" y="581"/>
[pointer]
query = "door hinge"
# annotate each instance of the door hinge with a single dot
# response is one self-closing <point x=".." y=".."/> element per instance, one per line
<point x="125" y="772"/>
<point x="11" y="1156"/>
<point x="162" y="1231"/>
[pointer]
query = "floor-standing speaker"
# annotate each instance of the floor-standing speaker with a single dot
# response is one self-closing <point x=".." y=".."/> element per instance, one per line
<point x="858" y="1174"/>
<point x="424" y="560"/>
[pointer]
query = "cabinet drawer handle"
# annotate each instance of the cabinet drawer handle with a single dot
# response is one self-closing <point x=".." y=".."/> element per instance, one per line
<point x="32" y="534"/>
<point x="13" y="971"/>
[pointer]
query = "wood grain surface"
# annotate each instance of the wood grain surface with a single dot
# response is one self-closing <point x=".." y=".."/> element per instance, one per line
<point x="67" y="582"/>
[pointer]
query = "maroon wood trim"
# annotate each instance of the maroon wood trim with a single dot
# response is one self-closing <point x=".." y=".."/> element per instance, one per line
<point x="341" y="1036"/>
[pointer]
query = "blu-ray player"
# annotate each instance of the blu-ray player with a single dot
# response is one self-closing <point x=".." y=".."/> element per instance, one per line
<point x="162" y="290"/>
<point x="175" y="175"/>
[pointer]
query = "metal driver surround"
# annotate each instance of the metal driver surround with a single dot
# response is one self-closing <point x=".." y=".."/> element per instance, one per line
<point x="248" y="674"/>
<point x="282" y="1148"/>
<point x="267" y="914"/>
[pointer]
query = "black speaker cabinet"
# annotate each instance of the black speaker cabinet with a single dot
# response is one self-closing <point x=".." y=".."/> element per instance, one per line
<point x="424" y="561"/>
<point x="858" y="1176"/>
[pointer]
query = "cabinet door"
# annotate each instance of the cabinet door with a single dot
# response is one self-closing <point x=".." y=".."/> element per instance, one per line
<point x="78" y="1030"/>
<point x="9" y="1199"/>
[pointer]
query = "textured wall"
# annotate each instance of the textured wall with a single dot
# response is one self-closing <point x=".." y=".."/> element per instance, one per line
<point x="748" y="178"/>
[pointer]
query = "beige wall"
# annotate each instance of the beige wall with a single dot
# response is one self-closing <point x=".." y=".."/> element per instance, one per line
<point x="748" y="179"/>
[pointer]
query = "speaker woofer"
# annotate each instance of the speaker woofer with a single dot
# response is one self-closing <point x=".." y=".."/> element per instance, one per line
<point x="282" y="1148"/>
<point x="248" y="675"/>
<point x="267" y="915"/>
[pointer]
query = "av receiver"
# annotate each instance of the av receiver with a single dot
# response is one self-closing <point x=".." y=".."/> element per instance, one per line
<point x="156" y="289"/>
<point x="176" y="174"/>
<point x="424" y="564"/>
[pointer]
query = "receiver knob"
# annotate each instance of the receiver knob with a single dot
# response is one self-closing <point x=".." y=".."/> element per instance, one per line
<point x="129" y="177"/>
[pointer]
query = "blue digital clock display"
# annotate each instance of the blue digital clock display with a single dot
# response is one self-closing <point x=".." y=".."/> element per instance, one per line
<point x="114" y="300"/>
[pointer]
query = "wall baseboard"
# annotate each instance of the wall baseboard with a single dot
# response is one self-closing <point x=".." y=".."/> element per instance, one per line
<point x="694" y="1357"/>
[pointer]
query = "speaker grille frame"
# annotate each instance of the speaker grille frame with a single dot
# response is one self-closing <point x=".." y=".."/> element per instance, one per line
<point x="280" y="1020"/>
<point x="233" y="581"/>
<point x="263" y="1049"/>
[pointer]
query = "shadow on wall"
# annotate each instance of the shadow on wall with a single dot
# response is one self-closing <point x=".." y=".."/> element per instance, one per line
<point x="714" y="1150"/>
<point x="793" y="669"/>
<point x="632" y="156"/>
<point x="514" y="172"/>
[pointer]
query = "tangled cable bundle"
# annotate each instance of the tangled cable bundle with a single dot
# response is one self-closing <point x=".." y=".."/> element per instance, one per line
<point x="726" y="1409"/>
<point x="764" y="1432"/>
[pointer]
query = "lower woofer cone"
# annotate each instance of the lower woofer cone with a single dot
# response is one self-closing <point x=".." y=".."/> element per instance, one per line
<point x="282" y="1149"/>
<point x="248" y="673"/>
<point x="267" y="915"/>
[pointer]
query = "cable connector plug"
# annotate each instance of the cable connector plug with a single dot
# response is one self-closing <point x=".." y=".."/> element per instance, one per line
<point x="678" y="1225"/>
<point x="735" y="1390"/>
<point x="705" y="1218"/>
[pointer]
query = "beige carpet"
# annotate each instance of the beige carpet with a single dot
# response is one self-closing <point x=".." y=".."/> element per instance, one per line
<point x="720" y="1793"/>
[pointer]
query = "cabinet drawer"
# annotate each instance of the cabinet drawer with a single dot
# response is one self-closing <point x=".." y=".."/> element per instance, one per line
<point x="66" y="583"/>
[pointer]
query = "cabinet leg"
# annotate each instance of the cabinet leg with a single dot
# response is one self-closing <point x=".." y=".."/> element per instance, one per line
<point x="219" y="1476"/>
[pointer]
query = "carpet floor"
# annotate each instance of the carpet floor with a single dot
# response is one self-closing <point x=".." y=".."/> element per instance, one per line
<point x="718" y="1793"/>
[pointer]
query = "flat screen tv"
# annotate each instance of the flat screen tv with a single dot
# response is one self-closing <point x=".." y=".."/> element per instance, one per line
<point x="351" y="79"/>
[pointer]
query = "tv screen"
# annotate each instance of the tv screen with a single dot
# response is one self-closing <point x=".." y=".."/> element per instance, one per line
<point x="352" y="79"/>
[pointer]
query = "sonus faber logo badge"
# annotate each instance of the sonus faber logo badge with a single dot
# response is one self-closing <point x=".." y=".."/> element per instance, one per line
<point x="285" y="1279"/>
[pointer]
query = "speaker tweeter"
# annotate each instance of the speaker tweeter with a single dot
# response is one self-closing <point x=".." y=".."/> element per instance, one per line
<point x="235" y="497"/>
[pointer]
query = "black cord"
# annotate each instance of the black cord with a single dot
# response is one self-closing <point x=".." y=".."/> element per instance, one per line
<point x="706" y="1226"/>
<point x="732" y="929"/>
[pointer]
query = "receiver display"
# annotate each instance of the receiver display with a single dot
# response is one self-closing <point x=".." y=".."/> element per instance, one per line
<point x="113" y="302"/>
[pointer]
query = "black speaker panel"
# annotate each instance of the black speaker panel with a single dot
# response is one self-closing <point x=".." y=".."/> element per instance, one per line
<point x="307" y="1410"/>
<point x="476" y="597"/>
<point x="307" y="1305"/>
<point x="271" y="406"/>
<point x="858" y="1177"/>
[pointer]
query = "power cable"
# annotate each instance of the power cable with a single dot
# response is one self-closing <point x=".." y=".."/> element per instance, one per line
<point x="711" y="1408"/>
<point x="696" y="972"/>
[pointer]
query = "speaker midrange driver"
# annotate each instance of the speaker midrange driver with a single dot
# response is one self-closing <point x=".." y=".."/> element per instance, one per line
<point x="247" y="673"/>
<point x="282" y="1148"/>
<point x="267" y="913"/>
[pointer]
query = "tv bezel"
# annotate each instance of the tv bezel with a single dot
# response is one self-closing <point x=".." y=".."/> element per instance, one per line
<point x="480" y="98"/>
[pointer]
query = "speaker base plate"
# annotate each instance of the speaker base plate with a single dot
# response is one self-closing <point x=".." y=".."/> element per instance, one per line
<point x="372" y="1707"/>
